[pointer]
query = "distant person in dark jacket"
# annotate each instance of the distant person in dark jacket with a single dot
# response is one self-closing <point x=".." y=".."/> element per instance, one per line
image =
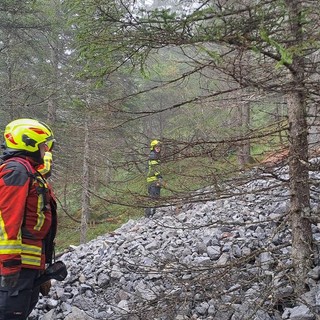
<point x="154" y="177"/>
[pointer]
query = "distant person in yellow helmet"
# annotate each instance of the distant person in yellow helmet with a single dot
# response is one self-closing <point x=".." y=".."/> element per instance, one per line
<point x="154" y="177"/>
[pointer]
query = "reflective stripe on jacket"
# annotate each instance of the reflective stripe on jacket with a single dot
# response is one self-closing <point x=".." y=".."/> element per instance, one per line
<point x="153" y="167"/>
<point x="25" y="216"/>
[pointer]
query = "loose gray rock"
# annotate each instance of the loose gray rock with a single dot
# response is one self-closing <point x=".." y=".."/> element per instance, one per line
<point x="223" y="259"/>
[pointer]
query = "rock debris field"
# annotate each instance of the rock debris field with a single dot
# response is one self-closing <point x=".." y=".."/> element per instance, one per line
<point x="225" y="259"/>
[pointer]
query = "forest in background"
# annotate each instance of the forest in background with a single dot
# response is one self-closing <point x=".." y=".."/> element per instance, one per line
<point x="221" y="83"/>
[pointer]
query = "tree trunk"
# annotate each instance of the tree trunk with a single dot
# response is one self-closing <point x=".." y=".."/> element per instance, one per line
<point x="52" y="101"/>
<point x="314" y="131"/>
<point x="243" y="153"/>
<point x="85" y="185"/>
<point x="298" y="157"/>
<point x="299" y="189"/>
<point x="54" y="48"/>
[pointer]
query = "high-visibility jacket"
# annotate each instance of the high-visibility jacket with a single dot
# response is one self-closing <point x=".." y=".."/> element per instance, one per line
<point x="27" y="217"/>
<point x="153" y="167"/>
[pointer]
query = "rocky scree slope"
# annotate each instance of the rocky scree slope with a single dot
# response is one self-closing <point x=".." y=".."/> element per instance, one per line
<point x="227" y="259"/>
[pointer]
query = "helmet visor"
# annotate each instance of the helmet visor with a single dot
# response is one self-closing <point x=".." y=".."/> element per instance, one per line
<point x="50" y="143"/>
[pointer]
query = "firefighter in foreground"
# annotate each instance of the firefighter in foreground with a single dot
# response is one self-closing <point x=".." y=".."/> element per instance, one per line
<point x="28" y="218"/>
<point x="154" y="177"/>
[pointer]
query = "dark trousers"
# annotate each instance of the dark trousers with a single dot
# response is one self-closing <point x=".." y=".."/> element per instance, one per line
<point x="18" y="302"/>
<point x="154" y="193"/>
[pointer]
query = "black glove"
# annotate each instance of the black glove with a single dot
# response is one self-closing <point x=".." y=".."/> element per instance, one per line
<point x="10" y="280"/>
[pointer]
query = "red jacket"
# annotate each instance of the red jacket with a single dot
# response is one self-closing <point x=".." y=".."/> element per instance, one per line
<point x="26" y="215"/>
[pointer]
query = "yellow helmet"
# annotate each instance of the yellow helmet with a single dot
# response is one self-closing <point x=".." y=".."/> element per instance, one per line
<point x="27" y="134"/>
<point x="154" y="143"/>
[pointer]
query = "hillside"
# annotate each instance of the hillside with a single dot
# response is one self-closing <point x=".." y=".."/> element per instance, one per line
<point x="226" y="259"/>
